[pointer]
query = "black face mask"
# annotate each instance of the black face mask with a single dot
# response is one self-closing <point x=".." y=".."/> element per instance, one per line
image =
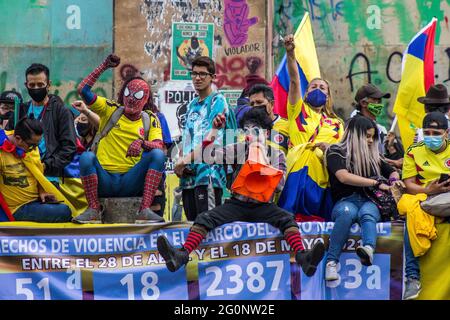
<point x="82" y="129"/>
<point x="38" y="94"/>
<point x="261" y="107"/>
<point x="6" y="116"/>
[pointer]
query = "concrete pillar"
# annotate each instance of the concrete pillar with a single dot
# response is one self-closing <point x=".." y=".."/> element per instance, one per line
<point x="120" y="210"/>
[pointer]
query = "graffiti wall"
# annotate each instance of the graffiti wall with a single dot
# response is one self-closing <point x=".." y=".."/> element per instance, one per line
<point x="69" y="36"/>
<point x="363" y="41"/>
<point x="144" y="27"/>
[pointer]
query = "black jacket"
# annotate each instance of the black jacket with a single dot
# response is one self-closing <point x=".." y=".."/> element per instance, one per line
<point x="59" y="135"/>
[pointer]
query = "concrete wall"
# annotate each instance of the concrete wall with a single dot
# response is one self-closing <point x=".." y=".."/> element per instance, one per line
<point x="69" y="36"/>
<point x="362" y="41"/>
<point x="357" y="41"/>
<point x="143" y="37"/>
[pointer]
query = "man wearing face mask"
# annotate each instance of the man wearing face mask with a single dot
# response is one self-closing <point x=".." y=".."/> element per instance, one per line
<point x="422" y="168"/>
<point x="7" y="109"/>
<point x="436" y="99"/>
<point x="369" y="105"/>
<point x="57" y="146"/>
<point x="261" y="97"/>
<point x="128" y="160"/>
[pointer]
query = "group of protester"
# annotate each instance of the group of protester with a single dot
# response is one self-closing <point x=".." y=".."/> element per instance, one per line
<point x="333" y="170"/>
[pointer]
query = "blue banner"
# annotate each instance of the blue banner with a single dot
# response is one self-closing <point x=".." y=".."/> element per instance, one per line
<point x="239" y="261"/>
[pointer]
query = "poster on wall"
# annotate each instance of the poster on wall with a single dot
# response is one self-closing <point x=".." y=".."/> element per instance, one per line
<point x="231" y="96"/>
<point x="174" y="97"/>
<point x="189" y="41"/>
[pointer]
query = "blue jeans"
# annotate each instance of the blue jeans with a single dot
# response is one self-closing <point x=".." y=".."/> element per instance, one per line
<point x="347" y="211"/>
<point x="40" y="212"/>
<point x="412" y="269"/>
<point x="129" y="184"/>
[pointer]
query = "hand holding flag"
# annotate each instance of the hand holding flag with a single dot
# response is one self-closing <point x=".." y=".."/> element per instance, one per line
<point x="289" y="43"/>
<point x="307" y="63"/>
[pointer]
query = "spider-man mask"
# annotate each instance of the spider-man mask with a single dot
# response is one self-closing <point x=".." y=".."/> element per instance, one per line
<point x="135" y="97"/>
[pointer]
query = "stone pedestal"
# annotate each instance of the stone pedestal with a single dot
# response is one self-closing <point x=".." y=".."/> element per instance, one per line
<point x="120" y="210"/>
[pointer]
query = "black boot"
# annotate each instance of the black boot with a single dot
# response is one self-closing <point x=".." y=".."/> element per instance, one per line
<point x="174" y="258"/>
<point x="309" y="260"/>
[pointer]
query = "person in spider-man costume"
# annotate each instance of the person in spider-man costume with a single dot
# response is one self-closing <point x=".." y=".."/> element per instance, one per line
<point x="128" y="161"/>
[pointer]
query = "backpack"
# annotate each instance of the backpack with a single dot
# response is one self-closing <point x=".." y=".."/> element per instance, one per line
<point x="112" y="122"/>
<point x="384" y="200"/>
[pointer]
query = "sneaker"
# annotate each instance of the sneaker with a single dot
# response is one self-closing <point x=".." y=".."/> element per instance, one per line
<point x="174" y="258"/>
<point x="365" y="253"/>
<point x="146" y="215"/>
<point x="89" y="216"/>
<point x="309" y="260"/>
<point x="412" y="289"/>
<point x="331" y="273"/>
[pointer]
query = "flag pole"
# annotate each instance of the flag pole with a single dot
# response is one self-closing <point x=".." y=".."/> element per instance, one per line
<point x="16" y="110"/>
<point x="394" y="124"/>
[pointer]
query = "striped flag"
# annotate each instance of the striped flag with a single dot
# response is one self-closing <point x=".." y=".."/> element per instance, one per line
<point x="308" y="66"/>
<point x="417" y="77"/>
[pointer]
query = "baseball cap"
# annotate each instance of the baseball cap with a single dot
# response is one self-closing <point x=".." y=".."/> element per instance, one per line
<point x="8" y="96"/>
<point x="435" y="120"/>
<point x="370" y="91"/>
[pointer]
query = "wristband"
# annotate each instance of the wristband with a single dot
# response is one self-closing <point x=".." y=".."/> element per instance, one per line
<point x="392" y="180"/>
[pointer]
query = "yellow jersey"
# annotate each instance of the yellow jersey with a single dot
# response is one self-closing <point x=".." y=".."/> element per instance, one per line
<point x="17" y="185"/>
<point x="279" y="137"/>
<point x="112" y="149"/>
<point x="307" y="125"/>
<point x="424" y="164"/>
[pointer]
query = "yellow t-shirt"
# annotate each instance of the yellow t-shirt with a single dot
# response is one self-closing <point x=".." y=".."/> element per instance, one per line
<point x="305" y="125"/>
<point x="17" y="185"/>
<point x="303" y="121"/>
<point x="424" y="164"/>
<point x="112" y="149"/>
<point x="280" y="134"/>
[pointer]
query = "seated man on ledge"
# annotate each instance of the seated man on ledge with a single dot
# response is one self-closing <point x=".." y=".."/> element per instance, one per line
<point x="127" y="158"/>
<point x="25" y="193"/>
<point x="423" y="165"/>
<point x="257" y="125"/>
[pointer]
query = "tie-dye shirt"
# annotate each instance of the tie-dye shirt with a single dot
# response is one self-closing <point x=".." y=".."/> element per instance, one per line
<point x="199" y="119"/>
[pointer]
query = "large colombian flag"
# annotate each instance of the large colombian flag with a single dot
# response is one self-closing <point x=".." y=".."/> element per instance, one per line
<point x="308" y="66"/>
<point x="417" y="77"/>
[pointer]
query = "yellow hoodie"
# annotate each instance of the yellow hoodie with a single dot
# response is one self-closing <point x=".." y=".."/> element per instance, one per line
<point x="420" y="225"/>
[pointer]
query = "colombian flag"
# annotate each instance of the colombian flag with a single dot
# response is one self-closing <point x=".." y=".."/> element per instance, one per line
<point x="306" y="192"/>
<point x="71" y="186"/>
<point x="308" y="66"/>
<point x="417" y="77"/>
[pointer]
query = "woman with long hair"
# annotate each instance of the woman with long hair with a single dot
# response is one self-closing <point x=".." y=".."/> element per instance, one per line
<point x="313" y="126"/>
<point x="353" y="164"/>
